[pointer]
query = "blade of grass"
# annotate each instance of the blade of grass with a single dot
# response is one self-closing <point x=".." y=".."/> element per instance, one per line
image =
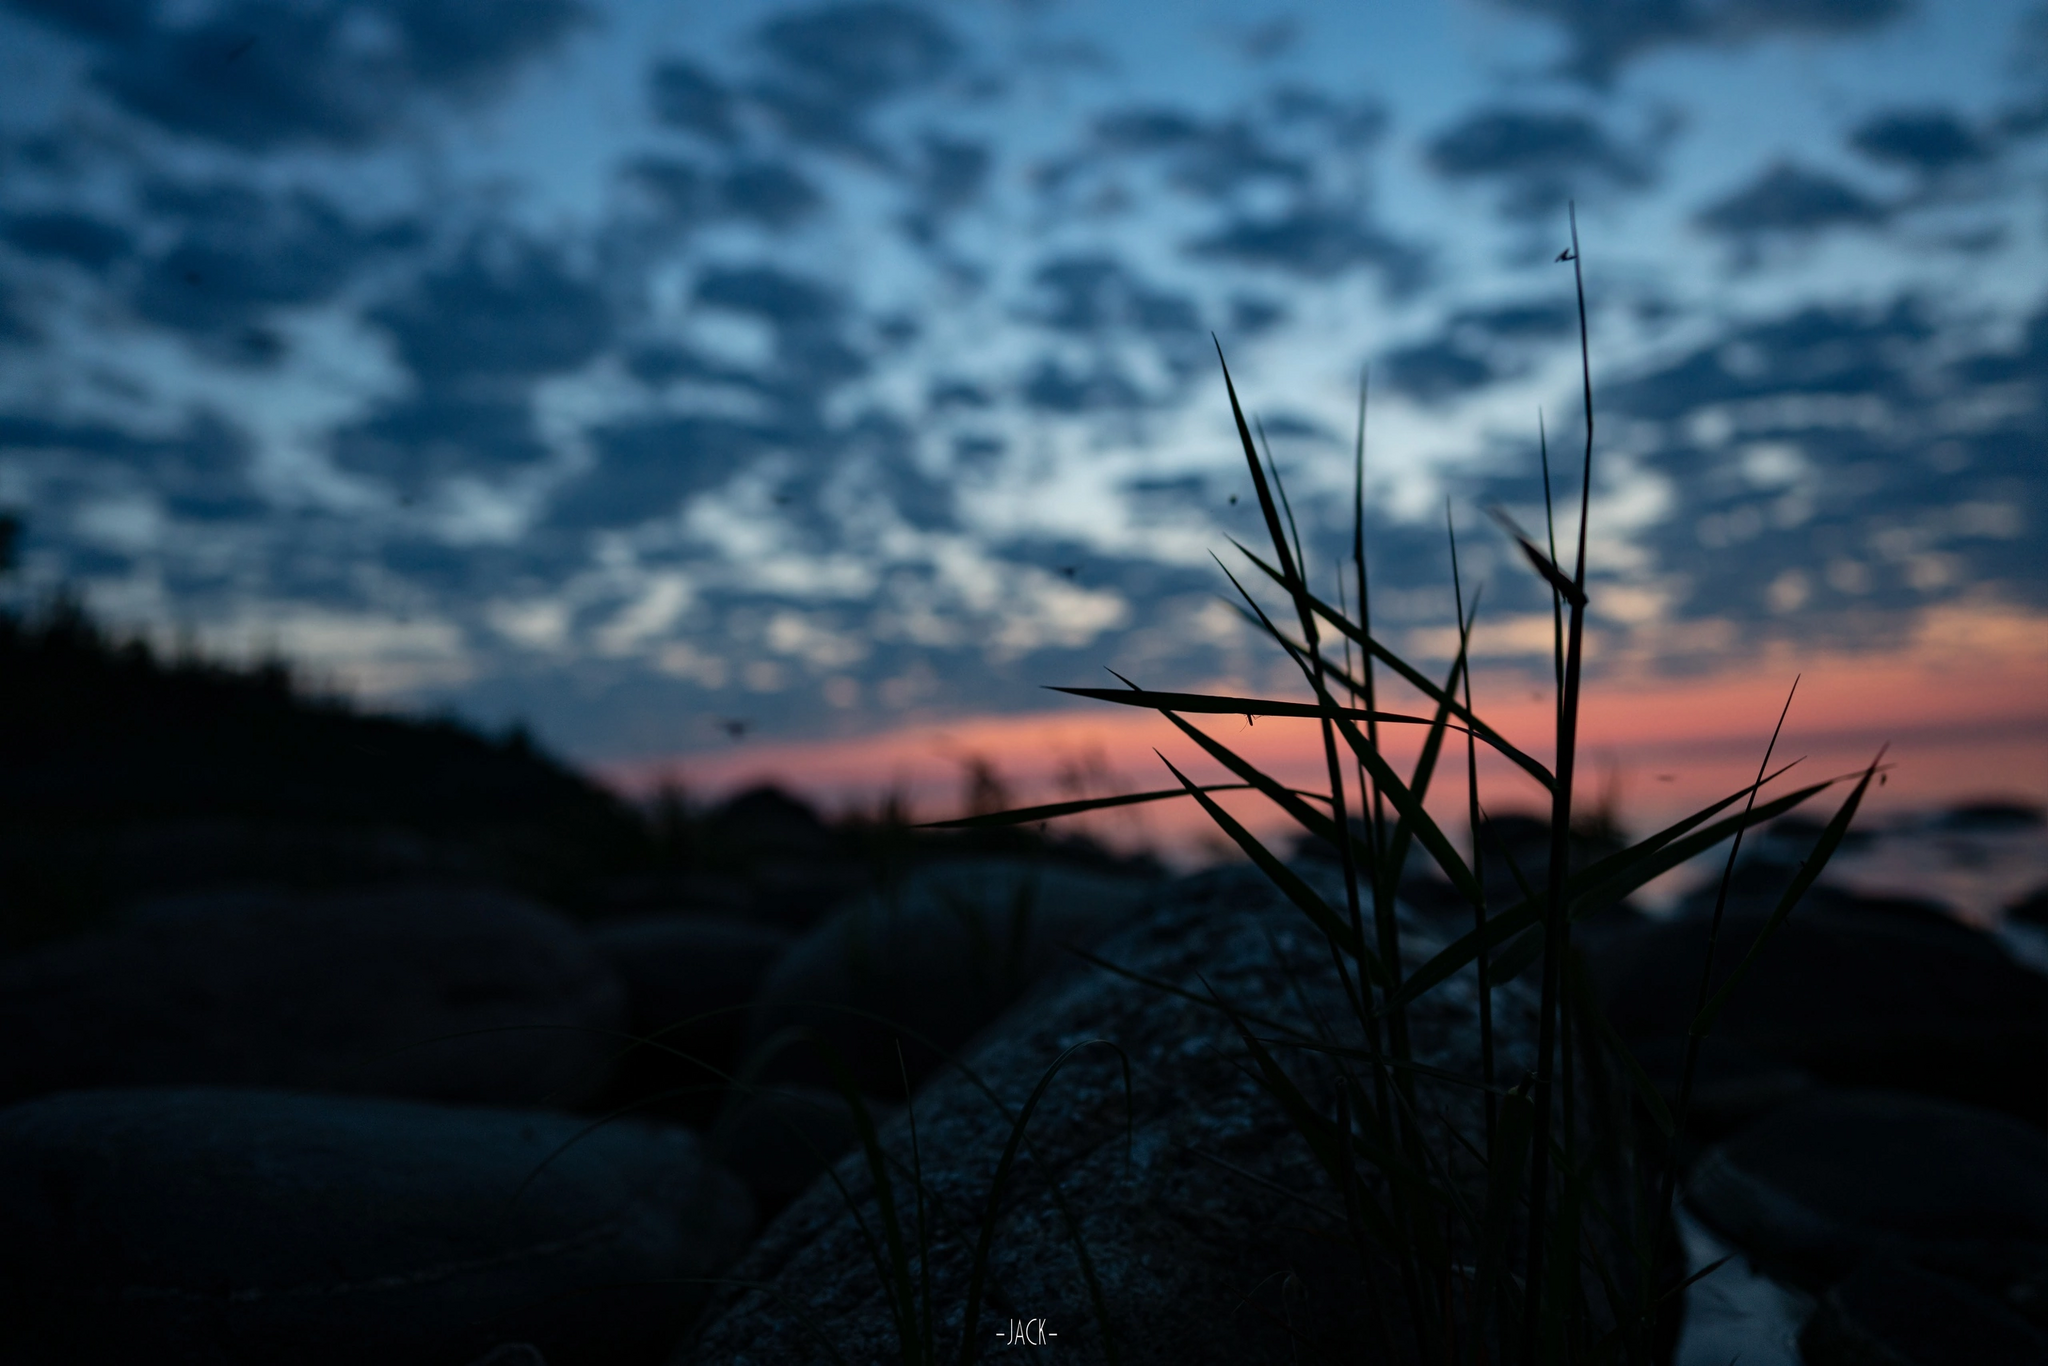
<point x="978" y="1275"/>
<point x="1688" y="1069"/>
<point x="1557" y="936"/>
<point x="1383" y="775"/>
<point x="1823" y="849"/>
<point x="1604" y="883"/>
<point x="1317" y="1131"/>
<point x="1425" y="769"/>
<point x="1482" y="966"/>
<point x="1389" y="934"/>
<point x="1546" y="568"/>
<point x="1286" y="798"/>
<point x="1210" y="704"/>
<point x="1286" y="879"/>
<point x="1588" y="1009"/>
<point x="1504" y="1170"/>
<point x="1029" y="815"/>
<point x="901" y="1288"/>
<point x="1409" y="674"/>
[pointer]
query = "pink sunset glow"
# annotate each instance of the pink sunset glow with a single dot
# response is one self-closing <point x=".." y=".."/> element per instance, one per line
<point x="1964" y="711"/>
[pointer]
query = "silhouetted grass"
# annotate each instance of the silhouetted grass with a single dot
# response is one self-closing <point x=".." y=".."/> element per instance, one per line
<point x="1585" y="1171"/>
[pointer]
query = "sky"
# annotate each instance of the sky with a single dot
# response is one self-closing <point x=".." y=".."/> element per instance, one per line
<point x="796" y="389"/>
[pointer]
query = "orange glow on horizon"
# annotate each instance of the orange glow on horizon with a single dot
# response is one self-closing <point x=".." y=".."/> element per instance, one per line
<point x="1962" y="721"/>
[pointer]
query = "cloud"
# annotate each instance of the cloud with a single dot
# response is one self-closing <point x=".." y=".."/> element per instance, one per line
<point x="790" y="302"/>
<point x="769" y="193"/>
<point x="258" y="76"/>
<point x="1212" y="160"/>
<point x="1831" y="468"/>
<point x="1251" y="315"/>
<point x="686" y="194"/>
<point x="1535" y="320"/>
<point x="836" y="63"/>
<point x="1349" y="124"/>
<point x="1316" y="242"/>
<point x="664" y="362"/>
<point x="475" y="333"/>
<point x="1606" y="35"/>
<point x="682" y="192"/>
<point x="1055" y="388"/>
<point x="417" y="442"/>
<point x="645" y="469"/>
<point x="811" y="352"/>
<point x="1433" y="371"/>
<point x="199" y="473"/>
<point x="1476" y="346"/>
<point x="686" y="96"/>
<point x="861" y="53"/>
<point x="951" y="174"/>
<point x="957" y="393"/>
<point x="505" y="307"/>
<point x="66" y="235"/>
<point x="1283" y="141"/>
<point x="238" y="253"/>
<point x="1929" y="141"/>
<point x="14" y="326"/>
<point x="104" y="19"/>
<point x="1540" y="158"/>
<point x="1279" y="176"/>
<point x="1094" y="294"/>
<point x="1264" y="41"/>
<point x="1790" y="200"/>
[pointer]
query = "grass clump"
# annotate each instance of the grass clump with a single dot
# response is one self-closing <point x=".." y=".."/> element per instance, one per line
<point x="1562" y="1249"/>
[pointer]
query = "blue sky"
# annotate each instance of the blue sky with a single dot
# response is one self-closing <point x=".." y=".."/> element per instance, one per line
<point x="627" y="368"/>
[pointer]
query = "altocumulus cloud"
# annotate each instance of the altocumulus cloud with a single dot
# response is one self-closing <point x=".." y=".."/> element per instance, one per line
<point x="257" y="76"/>
<point x="869" y="368"/>
<point x="1605" y="35"/>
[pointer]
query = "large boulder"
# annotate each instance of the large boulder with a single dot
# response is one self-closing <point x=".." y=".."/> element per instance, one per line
<point x="213" y="1225"/>
<point x="1834" y="1177"/>
<point x="689" y="980"/>
<point x="1207" y="1221"/>
<point x="940" y="953"/>
<point x="1891" y="1313"/>
<point x="779" y="1139"/>
<point x="434" y="993"/>
<point x="1849" y="992"/>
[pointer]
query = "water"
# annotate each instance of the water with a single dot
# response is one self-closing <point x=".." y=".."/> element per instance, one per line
<point x="1735" y="1314"/>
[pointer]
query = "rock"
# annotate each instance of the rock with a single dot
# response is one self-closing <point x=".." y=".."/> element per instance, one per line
<point x="466" y="996"/>
<point x="1732" y="1085"/>
<point x="1192" y="1228"/>
<point x="942" y="953"/>
<point x="1850" y="993"/>
<point x="512" y="1354"/>
<point x="1992" y="817"/>
<point x="680" y="968"/>
<point x="209" y="1225"/>
<point x="1834" y="1176"/>
<point x="668" y="892"/>
<point x="782" y="1138"/>
<point x="794" y="868"/>
<point x="766" y="823"/>
<point x="1516" y="852"/>
<point x="1892" y="1313"/>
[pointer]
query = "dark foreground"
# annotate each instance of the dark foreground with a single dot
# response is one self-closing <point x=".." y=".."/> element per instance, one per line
<point x="317" y="1045"/>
